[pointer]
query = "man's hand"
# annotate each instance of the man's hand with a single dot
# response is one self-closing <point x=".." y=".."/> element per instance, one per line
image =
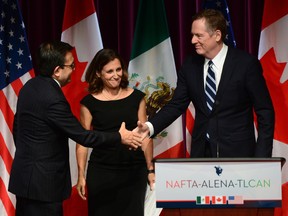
<point x="142" y="129"/>
<point x="130" y="138"/>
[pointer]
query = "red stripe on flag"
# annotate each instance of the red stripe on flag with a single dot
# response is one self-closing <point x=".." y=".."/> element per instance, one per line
<point x="5" y="154"/>
<point x="74" y="14"/>
<point x="32" y="73"/>
<point x="5" y="199"/>
<point x="7" y="111"/>
<point x="189" y="121"/>
<point x="8" y="97"/>
<point x="17" y="85"/>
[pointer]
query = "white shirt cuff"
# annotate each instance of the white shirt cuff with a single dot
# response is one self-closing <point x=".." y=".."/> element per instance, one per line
<point x="151" y="128"/>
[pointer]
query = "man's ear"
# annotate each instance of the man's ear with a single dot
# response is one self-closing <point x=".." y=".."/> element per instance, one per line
<point x="56" y="72"/>
<point x="218" y="35"/>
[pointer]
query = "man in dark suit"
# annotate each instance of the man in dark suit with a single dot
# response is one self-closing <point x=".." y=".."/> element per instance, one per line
<point x="224" y="123"/>
<point x="40" y="175"/>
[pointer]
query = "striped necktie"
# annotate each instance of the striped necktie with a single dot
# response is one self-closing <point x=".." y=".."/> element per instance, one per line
<point x="210" y="87"/>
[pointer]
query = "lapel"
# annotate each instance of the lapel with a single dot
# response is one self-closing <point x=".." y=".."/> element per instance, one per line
<point x="227" y="72"/>
<point x="200" y="85"/>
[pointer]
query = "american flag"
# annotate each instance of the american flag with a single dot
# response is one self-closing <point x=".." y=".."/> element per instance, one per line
<point x="222" y="6"/>
<point x="15" y="69"/>
<point x="235" y="200"/>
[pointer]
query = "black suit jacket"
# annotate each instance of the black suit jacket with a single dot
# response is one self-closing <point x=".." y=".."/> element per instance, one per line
<point x="241" y="90"/>
<point x="42" y="125"/>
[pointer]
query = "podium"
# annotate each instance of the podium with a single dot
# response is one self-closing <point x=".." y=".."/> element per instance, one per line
<point x="218" y="186"/>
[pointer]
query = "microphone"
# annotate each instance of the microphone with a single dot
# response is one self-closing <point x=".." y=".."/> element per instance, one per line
<point x="217" y="103"/>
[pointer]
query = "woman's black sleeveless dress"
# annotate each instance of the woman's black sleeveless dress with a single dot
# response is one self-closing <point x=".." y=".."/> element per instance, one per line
<point x="116" y="177"/>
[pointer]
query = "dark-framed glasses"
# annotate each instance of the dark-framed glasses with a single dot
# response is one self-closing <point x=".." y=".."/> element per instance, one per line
<point x="72" y="66"/>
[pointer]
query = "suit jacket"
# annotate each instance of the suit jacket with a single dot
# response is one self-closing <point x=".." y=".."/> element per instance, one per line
<point x="242" y="90"/>
<point x="42" y="125"/>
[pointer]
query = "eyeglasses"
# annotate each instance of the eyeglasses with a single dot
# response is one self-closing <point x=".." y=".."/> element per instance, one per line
<point x="72" y="66"/>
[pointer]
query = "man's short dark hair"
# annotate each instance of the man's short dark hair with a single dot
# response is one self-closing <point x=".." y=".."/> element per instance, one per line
<point x="50" y="55"/>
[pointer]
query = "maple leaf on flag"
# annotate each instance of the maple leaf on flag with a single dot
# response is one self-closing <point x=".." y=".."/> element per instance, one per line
<point x="278" y="92"/>
<point x="273" y="55"/>
<point x="76" y="90"/>
<point x="81" y="30"/>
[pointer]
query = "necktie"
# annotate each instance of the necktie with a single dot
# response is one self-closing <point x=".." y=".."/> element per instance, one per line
<point x="210" y="87"/>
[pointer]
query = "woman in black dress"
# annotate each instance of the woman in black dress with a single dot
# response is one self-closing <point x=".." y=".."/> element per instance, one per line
<point x="116" y="177"/>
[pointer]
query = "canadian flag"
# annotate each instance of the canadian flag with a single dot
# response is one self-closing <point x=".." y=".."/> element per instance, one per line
<point x="219" y="200"/>
<point x="273" y="54"/>
<point x="81" y="30"/>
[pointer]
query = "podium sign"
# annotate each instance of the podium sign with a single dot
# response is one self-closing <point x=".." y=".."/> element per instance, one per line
<point x="218" y="183"/>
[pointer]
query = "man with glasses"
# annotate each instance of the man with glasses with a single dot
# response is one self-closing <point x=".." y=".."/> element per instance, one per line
<point x="40" y="175"/>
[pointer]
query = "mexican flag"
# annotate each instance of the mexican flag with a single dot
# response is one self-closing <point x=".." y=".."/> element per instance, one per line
<point x="152" y="70"/>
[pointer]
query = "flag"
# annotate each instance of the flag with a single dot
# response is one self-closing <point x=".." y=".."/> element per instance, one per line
<point x="219" y="200"/>
<point x="189" y="122"/>
<point x="152" y="70"/>
<point x="273" y="55"/>
<point x="15" y="69"/>
<point x="203" y="200"/>
<point x="81" y="30"/>
<point x="222" y="6"/>
<point x="235" y="200"/>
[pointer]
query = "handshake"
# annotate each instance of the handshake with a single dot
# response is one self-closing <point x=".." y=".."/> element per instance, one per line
<point x="133" y="139"/>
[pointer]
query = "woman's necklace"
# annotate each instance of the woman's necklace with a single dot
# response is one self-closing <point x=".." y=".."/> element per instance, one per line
<point x="108" y="97"/>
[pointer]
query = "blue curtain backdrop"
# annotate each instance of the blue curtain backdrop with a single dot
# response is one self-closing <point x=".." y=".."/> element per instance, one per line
<point x="43" y="20"/>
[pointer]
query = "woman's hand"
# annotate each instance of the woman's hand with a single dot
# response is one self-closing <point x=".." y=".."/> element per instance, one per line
<point x="151" y="180"/>
<point x="81" y="187"/>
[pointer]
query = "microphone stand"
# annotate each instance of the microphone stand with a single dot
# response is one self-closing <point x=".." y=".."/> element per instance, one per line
<point x="217" y="132"/>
